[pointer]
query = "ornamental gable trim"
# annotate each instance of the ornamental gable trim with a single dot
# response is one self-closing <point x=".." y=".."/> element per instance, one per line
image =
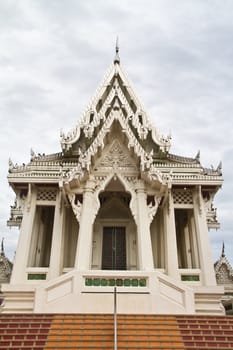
<point x="114" y="93"/>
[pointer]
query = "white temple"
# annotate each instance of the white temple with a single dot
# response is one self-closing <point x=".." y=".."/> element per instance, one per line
<point x="113" y="208"/>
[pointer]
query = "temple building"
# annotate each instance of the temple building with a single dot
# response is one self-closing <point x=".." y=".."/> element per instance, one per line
<point x="115" y="208"/>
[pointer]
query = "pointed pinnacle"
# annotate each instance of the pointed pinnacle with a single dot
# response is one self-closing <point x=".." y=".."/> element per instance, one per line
<point x="2" y="247"/>
<point x="117" y="57"/>
<point x="223" y="249"/>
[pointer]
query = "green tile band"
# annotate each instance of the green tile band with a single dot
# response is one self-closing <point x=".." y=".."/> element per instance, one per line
<point x="36" y="276"/>
<point x="112" y="282"/>
<point x="191" y="278"/>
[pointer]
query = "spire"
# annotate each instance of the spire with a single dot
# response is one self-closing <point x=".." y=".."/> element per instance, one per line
<point x="117" y="57"/>
<point x="2" y="247"/>
<point x="223" y="249"/>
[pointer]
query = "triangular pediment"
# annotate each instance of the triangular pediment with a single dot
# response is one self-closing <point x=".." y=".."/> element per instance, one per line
<point x="115" y="157"/>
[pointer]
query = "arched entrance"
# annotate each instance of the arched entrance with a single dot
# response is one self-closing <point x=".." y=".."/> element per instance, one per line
<point x="114" y="236"/>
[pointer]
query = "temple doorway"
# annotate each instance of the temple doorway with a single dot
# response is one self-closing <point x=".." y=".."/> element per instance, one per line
<point x="114" y="248"/>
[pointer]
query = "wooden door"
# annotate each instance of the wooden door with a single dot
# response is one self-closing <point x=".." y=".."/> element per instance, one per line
<point x="114" y="248"/>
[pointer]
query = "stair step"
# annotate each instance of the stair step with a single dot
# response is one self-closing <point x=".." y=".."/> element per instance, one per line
<point x="136" y="332"/>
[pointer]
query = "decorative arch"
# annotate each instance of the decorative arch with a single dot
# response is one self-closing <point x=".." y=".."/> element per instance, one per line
<point x="127" y="186"/>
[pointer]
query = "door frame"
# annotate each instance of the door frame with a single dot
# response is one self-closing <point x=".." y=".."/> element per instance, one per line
<point x="98" y="240"/>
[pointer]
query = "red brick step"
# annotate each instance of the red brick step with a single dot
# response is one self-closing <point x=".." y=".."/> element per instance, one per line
<point x="90" y="331"/>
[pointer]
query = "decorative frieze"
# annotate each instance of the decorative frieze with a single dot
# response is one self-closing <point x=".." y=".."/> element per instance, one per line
<point x="46" y="194"/>
<point x="182" y="196"/>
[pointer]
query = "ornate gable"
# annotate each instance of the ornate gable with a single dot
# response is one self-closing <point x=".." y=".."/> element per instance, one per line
<point x="94" y="140"/>
<point x="114" y="100"/>
<point x="116" y="158"/>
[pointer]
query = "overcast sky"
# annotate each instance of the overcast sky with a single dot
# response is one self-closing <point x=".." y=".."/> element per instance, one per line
<point x="178" y="55"/>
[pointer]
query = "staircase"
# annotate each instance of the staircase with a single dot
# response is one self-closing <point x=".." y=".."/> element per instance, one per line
<point x="91" y="331"/>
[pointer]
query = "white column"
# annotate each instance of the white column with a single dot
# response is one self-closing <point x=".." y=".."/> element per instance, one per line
<point x="170" y="240"/>
<point x="22" y="252"/>
<point x="83" y="254"/>
<point x="205" y="253"/>
<point x="143" y="229"/>
<point x="56" y="246"/>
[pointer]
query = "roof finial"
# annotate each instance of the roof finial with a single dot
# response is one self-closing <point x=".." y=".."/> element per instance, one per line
<point x="117" y="57"/>
<point x="2" y="247"/>
<point x="223" y="249"/>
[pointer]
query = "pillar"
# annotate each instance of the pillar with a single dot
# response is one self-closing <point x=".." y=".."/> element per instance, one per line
<point x="170" y="239"/>
<point x="143" y="229"/>
<point x="206" y="261"/>
<point x="22" y="252"/>
<point x="56" y="246"/>
<point x="84" y="247"/>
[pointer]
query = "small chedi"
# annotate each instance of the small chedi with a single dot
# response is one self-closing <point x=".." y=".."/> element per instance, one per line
<point x="115" y="208"/>
<point x="5" y="266"/>
<point x="224" y="276"/>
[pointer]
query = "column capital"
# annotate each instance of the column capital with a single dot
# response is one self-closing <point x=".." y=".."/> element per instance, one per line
<point x="140" y="187"/>
<point x="90" y="185"/>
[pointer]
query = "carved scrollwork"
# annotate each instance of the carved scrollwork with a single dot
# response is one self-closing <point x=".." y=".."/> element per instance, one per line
<point x="153" y="207"/>
<point x="76" y="173"/>
<point x="155" y="175"/>
<point x="76" y="205"/>
<point x="211" y="212"/>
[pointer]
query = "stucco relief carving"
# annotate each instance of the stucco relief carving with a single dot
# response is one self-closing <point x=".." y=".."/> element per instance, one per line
<point x="155" y="175"/>
<point x="96" y="206"/>
<point x="211" y="212"/>
<point x="77" y="173"/>
<point x="153" y="207"/>
<point x="76" y="205"/>
<point x="99" y="180"/>
<point x="16" y="213"/>
<point x="70" y="138"/>
<point x="116" y="158"/>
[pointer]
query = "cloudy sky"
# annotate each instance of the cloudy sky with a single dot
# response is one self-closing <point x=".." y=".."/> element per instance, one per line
<point x="178" y="55"/>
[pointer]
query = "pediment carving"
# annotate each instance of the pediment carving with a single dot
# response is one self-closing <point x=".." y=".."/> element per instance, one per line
<point x="116" y="158"/>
